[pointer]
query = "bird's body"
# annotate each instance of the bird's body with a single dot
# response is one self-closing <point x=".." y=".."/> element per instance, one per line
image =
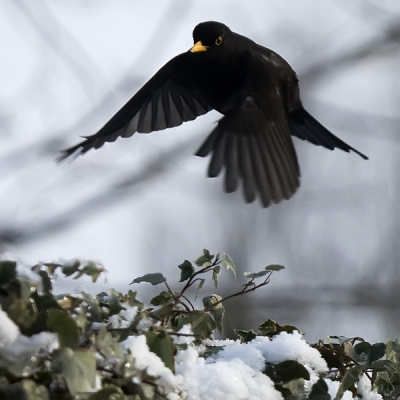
<point x="257" y="92"/>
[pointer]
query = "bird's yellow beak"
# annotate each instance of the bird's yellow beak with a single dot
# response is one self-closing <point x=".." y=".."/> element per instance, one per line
<point x="198" y="47"/>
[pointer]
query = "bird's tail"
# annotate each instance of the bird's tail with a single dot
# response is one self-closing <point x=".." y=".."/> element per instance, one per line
<point x="306" y="127"/>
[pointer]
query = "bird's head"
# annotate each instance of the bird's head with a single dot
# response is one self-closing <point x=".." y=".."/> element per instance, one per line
<point x="210" y="35"/>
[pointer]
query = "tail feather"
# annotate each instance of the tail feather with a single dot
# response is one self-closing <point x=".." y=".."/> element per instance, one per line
<point x="306" y="127"/>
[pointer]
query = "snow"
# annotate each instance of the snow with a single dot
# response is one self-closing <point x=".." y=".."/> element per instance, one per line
<point x="124" y="318"/>
<point x="145" y="359"/>
<point x="364" y="389"/>
<point x="17" y="351"/>
<point x="219" y="379"/>
<point x="235" y="372"/>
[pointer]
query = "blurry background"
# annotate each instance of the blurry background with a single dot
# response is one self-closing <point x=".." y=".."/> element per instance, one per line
<point x="144" y="204"/>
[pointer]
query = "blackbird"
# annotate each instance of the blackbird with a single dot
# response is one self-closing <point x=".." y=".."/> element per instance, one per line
<point x="257" y="92"/>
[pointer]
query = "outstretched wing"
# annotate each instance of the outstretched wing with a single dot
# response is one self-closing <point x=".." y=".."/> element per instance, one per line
<point x="252" y="141"/>
<point x="169" y="98"/>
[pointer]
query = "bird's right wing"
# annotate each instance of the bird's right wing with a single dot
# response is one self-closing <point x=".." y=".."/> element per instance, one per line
<point x="169" y="98"/>
<point x="306" y="127"/>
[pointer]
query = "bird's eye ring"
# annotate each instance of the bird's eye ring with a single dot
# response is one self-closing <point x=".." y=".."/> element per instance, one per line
<point x="218" y="40"/>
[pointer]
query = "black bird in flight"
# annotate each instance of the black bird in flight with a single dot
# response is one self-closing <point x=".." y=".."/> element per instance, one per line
<point x="257" y="92"/>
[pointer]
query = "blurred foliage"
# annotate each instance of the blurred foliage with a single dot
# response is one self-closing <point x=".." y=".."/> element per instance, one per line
<point x="90" y="362"/>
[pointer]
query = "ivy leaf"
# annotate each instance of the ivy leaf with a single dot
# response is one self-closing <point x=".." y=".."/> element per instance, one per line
<point x="162" y="298"/>
<point x="161" y="344"/>
<point x="383" y="385"/>
<point x="78" y="368"/>
<point x="245" y="336"/>
<point x="202" y="325"/>
<point x="199" y="287"/>
<point x="319" y="391"/>
<point x="90" y="269"/>
<point x="132" y="301"/>
<point x="274" y="267"/>
<point x="154" y="279"/>
<point x="108" y="344"/>
<point x="228" y="263"/>
<point x="201" y="322"/>
<point x="68" y="270"/>
<point x="114" y="305"/>
<point x="212" y="351"/>
<point x="271" y="328"/>
<point x="94" y="307"/>
<point x="287" y="371"/>
<point x="187" y="270"/>
<point x="252" y="275"/>
<point x="216" y="272"/>
<point x="393" y="350"/>
<point x="350" y="351"/>
<point x="351" y="376"/>
<point x="66" y="328"/>
<point x="206" y="258"/>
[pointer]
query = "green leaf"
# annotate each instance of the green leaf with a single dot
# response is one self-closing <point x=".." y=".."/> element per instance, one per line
<point x="114" y="305"/>
<point x="319" y="391"/>
<point x="212" y="351"/>
<point x="215" y="273"/>
<point x="201" y="322"/>
<point x="199" y="287"/>
<point x="218" y="315"/>
<point x="386" y="365"/>
<point x="161" y="313"/>
<point x="383" y="385"/>
<point x="161" y="344"/>
<point x="378" y="350"/>
<point x="96" y="312"/>
<point x="78" y="368"/>
<point x="350" y="351"/>
<point x="351" y="376"/>
<point x="154" y="279"/>
<point x="271" y="328"/>
<point x="109" y="393"/>
<point x="228" y="263"/>
<point x="162" y="298"/>
<point x="22" y="312"/>
<point x="209" y="301"/>
<point x="253" y="275"/>
<point x="132" y="301"/>
<point x="108" y="344"/>
<point x="8" y="271"/>
<point x="66" y="328"/>
<point x="286" y="371"/>
<point x="206" y="258"/>
<point x="71" y="269"/>
<point x="393" y="350"/>
<point x="187" y="270"/>
<point x="90" y="269"/>
<point x="217" y="311"/>
<point x="274" y="267"/>
<point x="245" y="336"/>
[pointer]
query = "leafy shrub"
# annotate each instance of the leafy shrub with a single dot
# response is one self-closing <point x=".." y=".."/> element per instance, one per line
<point x="112" y="346"/>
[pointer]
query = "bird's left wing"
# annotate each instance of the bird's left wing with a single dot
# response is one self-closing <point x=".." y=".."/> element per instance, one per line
<point x="168" y="99"/>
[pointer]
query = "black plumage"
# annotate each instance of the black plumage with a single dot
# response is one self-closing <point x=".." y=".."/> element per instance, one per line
<point x="257" y="92"/>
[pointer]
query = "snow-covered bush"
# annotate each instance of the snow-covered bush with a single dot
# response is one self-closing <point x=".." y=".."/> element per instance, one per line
<point x="113" y="347"/>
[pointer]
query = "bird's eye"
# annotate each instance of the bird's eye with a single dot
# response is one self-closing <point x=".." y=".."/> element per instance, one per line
<point x="218" y="41"/>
